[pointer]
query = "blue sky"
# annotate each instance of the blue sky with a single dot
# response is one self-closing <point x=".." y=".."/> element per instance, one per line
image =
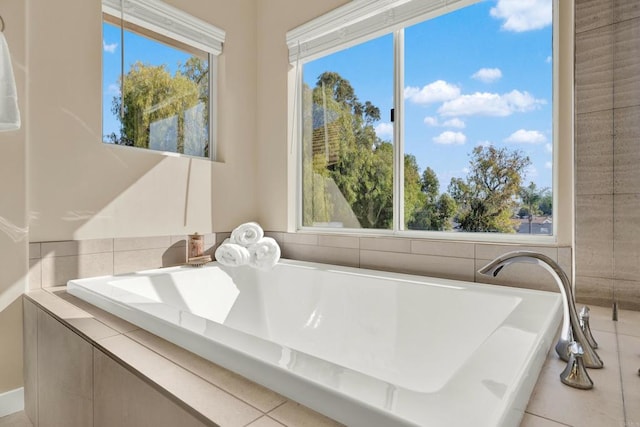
<point x="480" y="75"/>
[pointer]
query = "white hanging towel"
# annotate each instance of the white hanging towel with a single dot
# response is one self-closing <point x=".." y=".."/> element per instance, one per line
<point x="9" y="113"/>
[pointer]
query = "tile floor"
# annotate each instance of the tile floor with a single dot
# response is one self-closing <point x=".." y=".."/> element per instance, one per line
<point x="613" y="402"/>
<point x="615" y="399"/>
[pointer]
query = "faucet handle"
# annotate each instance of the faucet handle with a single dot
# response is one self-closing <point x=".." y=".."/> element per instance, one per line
<point x="575" y="375"/>
<point x="586" y="328"/>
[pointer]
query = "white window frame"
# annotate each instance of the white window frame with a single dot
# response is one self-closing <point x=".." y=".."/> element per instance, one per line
<point x="177" y="25"/>
<point x="362" y="20"/>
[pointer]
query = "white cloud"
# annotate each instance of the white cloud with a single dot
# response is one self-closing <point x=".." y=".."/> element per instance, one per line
<point x="548" y="148"/>
<point x="113" y="89"/>
<point x="484" y="143"/>
<point x="431" y="121"/>
<point x="487" y="75"/>
<point x="437" y="91"/>
<point x="450" y="138"/>
<point x="526" y="137"/>
<point x="490" y="104"/>
<point x="523" y="15"/>
<point x="452" y="123"/>
<point x="384" y="130"/>
<point x="110" y="48"/>
<point x="549" y="59"/>
<point x="455" y="123"/>
<point x="548" y="165"/>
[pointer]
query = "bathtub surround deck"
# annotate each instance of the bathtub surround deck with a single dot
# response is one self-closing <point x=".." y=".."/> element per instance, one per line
<point x="361" y="346"/>
<point x="610" y="403"/>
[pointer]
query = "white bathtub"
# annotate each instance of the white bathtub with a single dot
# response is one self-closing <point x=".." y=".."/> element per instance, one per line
<point x="366" y="348"/>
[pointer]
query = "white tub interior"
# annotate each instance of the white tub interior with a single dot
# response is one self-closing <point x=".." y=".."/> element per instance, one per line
<point x="408" y="349"/>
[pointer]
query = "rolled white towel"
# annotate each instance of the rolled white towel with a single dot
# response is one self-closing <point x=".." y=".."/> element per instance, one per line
<point x="232" y="255"/>
<point x="264" y="254"/>
<point x="247" y="234"/>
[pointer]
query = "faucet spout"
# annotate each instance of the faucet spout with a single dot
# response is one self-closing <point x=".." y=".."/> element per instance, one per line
<point x="571" y="330"/>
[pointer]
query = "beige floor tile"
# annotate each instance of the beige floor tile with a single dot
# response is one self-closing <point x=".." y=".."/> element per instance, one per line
<point x="629" y="323"/>
<point x="600" y="319"/>
<point x="248" y="391"/>
<point x="19" y="419"/>
<point x="630" y="375"/>
<point x="534" y="421"/>
<point x="601" y="406"/>
<point x="293" y="414"/>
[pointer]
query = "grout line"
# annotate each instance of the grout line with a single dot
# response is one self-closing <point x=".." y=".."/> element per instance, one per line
<point x="548" y="419"/>
<point x="624" y="406"/>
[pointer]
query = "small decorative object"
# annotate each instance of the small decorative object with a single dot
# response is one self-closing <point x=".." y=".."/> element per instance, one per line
<point x="196" y="246"/>
<point x="195" y="251"/>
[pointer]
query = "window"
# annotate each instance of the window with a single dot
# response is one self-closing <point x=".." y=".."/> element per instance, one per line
<point x="462" y="94"/>
<point x="158" y="78"/>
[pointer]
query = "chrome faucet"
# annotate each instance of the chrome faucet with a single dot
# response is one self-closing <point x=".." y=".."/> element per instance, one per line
<point x="571" y="330"/>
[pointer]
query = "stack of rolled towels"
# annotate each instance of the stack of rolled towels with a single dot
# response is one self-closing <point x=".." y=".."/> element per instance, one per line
<point x="248" y="246"/>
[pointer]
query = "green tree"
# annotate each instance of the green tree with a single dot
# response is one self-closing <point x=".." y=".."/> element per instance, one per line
<point x="531" y="197"/>
<point x="414" y="196"/>
<point x="486" y="199"/>
<point x="546" y="204"/>
<point x="343" y="152"/>
<point x="430" y="184"/>
<point x="151" y="95"/>
<point x="437" y="209"/>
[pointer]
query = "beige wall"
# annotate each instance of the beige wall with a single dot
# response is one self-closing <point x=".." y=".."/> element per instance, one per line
<point x="13" y="208"/>
<point x="80" y="188"/>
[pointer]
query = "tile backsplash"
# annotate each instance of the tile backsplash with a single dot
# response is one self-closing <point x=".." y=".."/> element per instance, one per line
<point x="54" y="263"/>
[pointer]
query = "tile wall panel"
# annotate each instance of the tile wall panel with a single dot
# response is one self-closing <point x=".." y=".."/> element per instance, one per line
<point x="594" y="70"/>
<point x="607" y="99"/>
<point x="594" y="153"/>
<point x="626" y="63"/>
<point x="592" y="14"/>
<point x="627" y="149"/>
<point x="65" y="364"/>
<point x="594" y="235"/>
